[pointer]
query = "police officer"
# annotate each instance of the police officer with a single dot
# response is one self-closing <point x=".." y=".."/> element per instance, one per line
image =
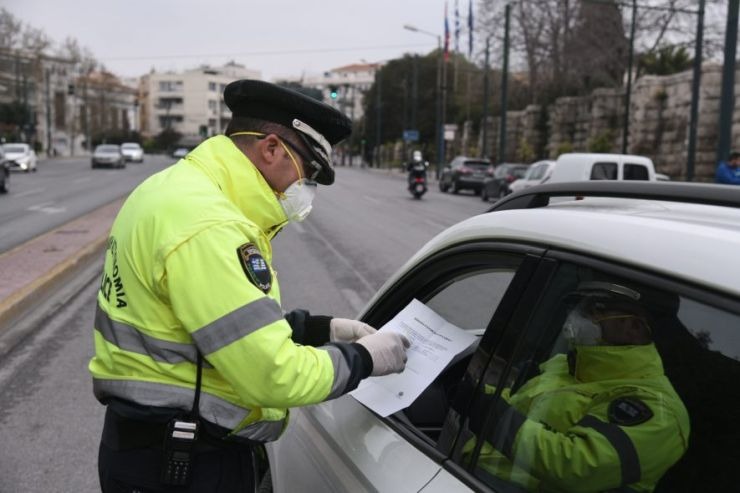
<point x="194" y="357"/>
<point x="604" y="417"/>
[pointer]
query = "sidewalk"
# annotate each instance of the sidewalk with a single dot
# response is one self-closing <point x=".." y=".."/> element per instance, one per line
<point x="31" y="271"/>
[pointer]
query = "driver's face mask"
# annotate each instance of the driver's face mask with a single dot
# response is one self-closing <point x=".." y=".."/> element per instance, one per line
<point x="581" y="330"/>
<point x="297" y="199"/>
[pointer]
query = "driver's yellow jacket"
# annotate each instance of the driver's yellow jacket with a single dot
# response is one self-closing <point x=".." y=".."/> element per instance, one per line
<point x="177" y="282"/>
<point x="611" y="420"/>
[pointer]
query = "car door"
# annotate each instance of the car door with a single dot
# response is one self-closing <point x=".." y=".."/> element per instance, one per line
<point x="340" y="445"/>
<point x="693" y="372"/>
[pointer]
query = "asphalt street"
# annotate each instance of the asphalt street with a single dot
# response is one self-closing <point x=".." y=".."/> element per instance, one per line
<point x="63" y="189"/>
<point x="362" y="229"/>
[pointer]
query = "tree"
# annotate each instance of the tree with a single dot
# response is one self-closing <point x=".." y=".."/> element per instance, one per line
<point x="665" y="61"/>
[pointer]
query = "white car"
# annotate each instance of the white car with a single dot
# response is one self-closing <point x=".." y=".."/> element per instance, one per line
<point x="20" y="157"/>
<point x="108" y="155"/>
<point x="505" y="275"/>
<point x="578" y="166"/>
<point x="537" y="173"/>
<point x="132" y="151"/>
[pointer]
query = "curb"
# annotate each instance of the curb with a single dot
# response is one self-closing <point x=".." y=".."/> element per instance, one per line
<point x="45" y="266"/>
<point x="20" y="302"/>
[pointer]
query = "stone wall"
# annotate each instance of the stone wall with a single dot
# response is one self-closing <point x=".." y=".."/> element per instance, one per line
<point x="658" y="126"/>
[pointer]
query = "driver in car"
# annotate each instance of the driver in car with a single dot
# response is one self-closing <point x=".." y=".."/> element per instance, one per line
<point x="603" y="417"/>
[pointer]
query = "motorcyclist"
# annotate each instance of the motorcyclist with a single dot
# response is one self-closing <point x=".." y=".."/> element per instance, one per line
<point x="417" y="167"/>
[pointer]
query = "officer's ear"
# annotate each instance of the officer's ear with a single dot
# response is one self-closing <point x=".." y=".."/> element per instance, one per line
<point x="269" y="149"/>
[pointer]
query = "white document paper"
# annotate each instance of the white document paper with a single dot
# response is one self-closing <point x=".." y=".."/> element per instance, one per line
<point x="434" y="343"/>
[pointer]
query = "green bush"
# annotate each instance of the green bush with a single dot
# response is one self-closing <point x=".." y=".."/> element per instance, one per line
<point x="603" y="142"/>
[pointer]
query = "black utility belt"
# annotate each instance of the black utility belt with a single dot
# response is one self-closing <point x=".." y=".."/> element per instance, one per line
<point x="122" y="433"/>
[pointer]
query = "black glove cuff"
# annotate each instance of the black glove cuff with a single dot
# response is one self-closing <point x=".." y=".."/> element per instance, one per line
<point x="309" y="330"/>
<point x="367" y="360"/>
<point x="317" y="330"/>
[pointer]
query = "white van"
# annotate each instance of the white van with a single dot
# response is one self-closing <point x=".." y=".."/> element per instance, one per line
<point x="594" y="166"/>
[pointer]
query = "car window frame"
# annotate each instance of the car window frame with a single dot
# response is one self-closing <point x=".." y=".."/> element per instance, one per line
<point x="424" y="274"/>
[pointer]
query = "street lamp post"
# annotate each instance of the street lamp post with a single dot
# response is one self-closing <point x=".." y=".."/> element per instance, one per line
<point x="441" y="96"/>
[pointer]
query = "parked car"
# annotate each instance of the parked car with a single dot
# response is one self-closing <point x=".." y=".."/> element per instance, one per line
<point x="4" y="173"/>
<point x="497" y="185"/>
<point x="108" y="155"/>
<point x="595" y="166"/>
<point x="464" y="173"/>
<point x="180" y="152"/>
<point x="505" y="275"/>
<point x="132" y="151"/>
<point x="20" y="157"/>
<point x="537" y="173"/>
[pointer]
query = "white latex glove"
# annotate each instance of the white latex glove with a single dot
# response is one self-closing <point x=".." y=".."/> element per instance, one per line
<point x="346" y="330"/>
<point x="387" y="350"/>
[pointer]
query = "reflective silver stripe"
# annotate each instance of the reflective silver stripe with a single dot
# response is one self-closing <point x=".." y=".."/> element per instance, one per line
<point x="263" y="431"/>
<point x="237" y="324"/>
<point x="212" y="408"/>
<point x="129" y="338"/>
<point x="622" y="443"/>
<point x="341" y="371"/>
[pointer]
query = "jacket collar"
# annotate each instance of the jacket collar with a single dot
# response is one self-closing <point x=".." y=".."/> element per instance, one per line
<point x="596" y="363"/>
<point x="240" y="181"/>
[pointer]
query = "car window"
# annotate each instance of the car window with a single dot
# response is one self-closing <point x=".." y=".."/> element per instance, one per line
<point x="635" y="172"/>
<point x="15" y="149"/>
<point x="538" y="172"/>
<point x="613" y="384"/>
<point x="465" y="288"/>
<point x="604" y="171"/>
<point x="470" y="300"/>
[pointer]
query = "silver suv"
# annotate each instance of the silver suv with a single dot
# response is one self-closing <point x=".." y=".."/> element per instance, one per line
<point x="639" y="279"/>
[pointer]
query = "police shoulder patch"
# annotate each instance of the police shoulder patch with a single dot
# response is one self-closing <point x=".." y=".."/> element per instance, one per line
<point x="628" y="411"/>
<point x="255" y="266"/>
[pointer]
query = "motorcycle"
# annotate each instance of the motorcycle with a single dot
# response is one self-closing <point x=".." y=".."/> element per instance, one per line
<point x="418" y="180"/>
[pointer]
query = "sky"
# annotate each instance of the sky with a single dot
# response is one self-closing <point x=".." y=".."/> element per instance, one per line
<point x="279" y="38"/>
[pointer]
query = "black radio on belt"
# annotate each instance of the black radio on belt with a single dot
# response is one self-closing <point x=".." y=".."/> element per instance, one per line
<point x="178" y="451"/>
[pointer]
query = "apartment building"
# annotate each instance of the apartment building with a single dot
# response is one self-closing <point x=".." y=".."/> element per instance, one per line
<point x="344" y="87"/>
<point x="190" y="102"/>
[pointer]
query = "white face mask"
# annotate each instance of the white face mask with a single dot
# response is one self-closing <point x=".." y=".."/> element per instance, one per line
<point x="581" y="330"/>
<point x="297" y="199"/>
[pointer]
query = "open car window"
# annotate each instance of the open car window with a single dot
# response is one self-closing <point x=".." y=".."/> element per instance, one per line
<point x="603" y="394"/>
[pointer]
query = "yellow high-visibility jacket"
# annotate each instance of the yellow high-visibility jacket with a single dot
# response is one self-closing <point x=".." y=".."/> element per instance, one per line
<point x="613" y="422"/>
<point x="175" y="284"/>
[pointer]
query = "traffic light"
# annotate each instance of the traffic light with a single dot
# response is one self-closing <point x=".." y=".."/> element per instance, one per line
<point x="333" y="92"/>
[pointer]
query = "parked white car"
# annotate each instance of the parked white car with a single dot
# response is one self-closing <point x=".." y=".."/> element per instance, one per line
<point x="595" y="166"/>
<point x="21" y="157"/>
<point x="132" y="151"/>
<point x="538" y="172"/>
<point x="505" y="275"/>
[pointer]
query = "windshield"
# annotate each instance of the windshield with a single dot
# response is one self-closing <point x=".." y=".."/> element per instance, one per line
<point x="107" y="149"/>
<point x="14" y="149"/>
<point x="130" y="146"/>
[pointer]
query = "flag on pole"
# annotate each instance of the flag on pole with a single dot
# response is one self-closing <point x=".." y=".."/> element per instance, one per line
<point x="457" y="27"/>
<point x="447" y="36"/>
<point x="470" y="28"/>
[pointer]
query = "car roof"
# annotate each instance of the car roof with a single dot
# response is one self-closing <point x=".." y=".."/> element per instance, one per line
<point x="676" y="236"/>
<point x="598" y="156"/>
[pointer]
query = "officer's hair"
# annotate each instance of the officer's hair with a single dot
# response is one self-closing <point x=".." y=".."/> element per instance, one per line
<point x="248" y="124"/>
<point x="734" y="155"/>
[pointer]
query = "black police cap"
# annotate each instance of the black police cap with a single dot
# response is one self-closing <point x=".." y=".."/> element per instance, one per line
<point x="319" y="125"/>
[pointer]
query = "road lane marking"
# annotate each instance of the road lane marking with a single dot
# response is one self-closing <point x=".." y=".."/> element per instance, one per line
<point x="371" y="199"/>
<point x="298" y="228"/>
<point x="83" y="179"/>
<point x="353" y="299"/>
<point x="347" y="262"/>
<point x="46" y="208"/>
<point x="436" y="224"/>
<point x="30" y="192"/>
